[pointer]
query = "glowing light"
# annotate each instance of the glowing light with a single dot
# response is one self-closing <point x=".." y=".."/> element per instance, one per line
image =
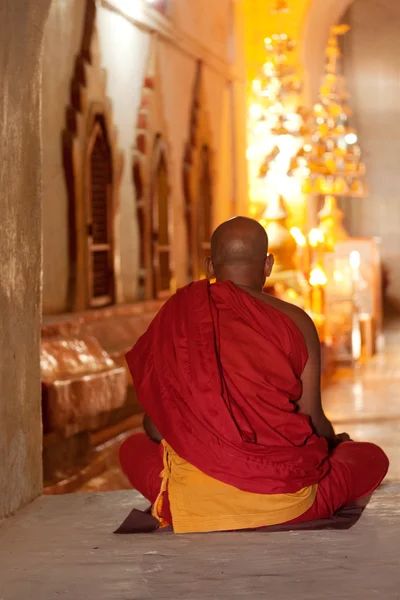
<point x="255" y="111"/>
<point x="261" y="128"/>
<point x="252" y="210"/>
<point x="318" y="277"/>
<point x="287" y="144"/>
<point x="251" y="152"/>
<point x="355" y="259"/>
<point x="292" y="295"/>
<point x="298" y="237"/>
<point x="316" y="237"/>
<point x="129" y="8"/>
<point x="293" y="122"/>
<point x="338" y="276"/>
<point x="351" y="138"/>
<point x="307" y="148"/>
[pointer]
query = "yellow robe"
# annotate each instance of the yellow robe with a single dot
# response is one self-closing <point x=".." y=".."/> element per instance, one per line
<point x="200" y="503"/>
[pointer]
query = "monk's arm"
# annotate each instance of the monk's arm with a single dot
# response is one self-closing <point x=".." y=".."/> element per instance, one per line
<point x="310" y="402"/>
<point x="151" y="430"/>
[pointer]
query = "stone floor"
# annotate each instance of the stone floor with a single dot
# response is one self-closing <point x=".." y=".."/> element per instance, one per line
<point x="63" y="547"/>
<point x="365" y="402"/>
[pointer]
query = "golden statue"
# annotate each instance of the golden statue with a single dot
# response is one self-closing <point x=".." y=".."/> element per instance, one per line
<point x="283" y="246"/>
<point x="281" y="243"/>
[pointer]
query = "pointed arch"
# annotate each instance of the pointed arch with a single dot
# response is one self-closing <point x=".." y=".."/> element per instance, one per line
<point x="151" y="170"/>
<point x="92" y="168"/>
<point x="198" y="181"/>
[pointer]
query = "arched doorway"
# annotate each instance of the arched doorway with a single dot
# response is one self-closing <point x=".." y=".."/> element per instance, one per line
<point x="204" y="210"/>
<point x="101" y="291"/>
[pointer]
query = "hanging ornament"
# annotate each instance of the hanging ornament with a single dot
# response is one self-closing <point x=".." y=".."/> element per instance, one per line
<point x="335" y="156"/>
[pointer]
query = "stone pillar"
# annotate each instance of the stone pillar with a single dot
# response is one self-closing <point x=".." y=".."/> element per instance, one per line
<point x="21" y="33"/>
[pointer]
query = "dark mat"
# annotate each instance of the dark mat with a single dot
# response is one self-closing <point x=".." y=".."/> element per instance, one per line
<point x="143" y="522"/>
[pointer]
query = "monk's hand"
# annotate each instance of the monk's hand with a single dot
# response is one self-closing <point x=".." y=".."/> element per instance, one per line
<point x="151" y="430"/>
<point x="340" y="438"/>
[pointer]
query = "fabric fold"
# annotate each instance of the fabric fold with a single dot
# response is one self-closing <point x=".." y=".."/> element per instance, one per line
<point x="218" y="372"/>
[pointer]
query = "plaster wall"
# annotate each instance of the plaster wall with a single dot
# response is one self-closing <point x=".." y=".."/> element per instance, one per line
<point x="20" y="251"/>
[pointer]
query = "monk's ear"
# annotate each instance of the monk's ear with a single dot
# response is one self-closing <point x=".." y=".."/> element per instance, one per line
<point x="210" y="272"/>
<point x="269" y="263"/>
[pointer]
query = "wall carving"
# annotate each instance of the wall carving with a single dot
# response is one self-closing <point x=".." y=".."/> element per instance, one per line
<point x="198" y="181"/>
<point x="93" y="168"/>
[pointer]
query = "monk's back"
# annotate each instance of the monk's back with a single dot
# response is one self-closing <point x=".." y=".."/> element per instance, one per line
<point x="296" y="314"/>
<point x="230" y="378"/>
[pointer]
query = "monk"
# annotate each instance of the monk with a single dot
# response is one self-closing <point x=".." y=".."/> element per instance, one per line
<point x="229" y="378"/>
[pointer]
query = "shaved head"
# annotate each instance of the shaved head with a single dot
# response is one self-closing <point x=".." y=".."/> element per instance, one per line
<point x="239" y="250"/>
<point x="239" y="241"/>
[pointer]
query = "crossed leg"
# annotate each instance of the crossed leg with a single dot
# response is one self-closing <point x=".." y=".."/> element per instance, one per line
<point x="357" y="469"/>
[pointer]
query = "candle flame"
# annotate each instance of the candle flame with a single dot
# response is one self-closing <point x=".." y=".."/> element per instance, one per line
<point x="355" y="259"/>
<point x="315" y="237"/>
<point x="298" y="236"/>
<point x="318" y="277"/>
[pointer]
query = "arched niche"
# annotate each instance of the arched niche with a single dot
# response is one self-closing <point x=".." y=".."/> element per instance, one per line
<point x="198" y="181"/>
<point x="93" y="167"/>
<point x="151" y="170"/>
<point x="160" y="220"/>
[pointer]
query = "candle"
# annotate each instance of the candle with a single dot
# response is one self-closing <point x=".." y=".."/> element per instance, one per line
<point x="355" y="262"/>
<point x="302" y="250"/>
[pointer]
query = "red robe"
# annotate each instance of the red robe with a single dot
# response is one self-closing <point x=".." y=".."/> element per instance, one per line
<point x="218" y="372"/>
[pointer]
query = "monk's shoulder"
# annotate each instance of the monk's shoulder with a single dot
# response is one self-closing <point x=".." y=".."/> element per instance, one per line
<point x="297" y="315"/>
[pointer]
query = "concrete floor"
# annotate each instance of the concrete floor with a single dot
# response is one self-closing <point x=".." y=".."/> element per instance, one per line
<point x="63" y="547"/>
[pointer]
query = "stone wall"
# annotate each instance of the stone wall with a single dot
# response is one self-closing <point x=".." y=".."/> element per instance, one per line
<point x="21" y="27"/>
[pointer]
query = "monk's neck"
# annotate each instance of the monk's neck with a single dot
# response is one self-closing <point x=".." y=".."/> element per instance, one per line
<point x="246" y="286"/>
<point x="250" y="288"/>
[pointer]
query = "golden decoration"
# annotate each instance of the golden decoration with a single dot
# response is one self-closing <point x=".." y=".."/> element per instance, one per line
<point x="330" y="223"/>
<point x="281" y="243"/>
<point x="334" y="159"/>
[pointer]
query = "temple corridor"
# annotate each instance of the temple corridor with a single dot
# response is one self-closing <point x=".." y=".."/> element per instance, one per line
<point x="134" y="132"/>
